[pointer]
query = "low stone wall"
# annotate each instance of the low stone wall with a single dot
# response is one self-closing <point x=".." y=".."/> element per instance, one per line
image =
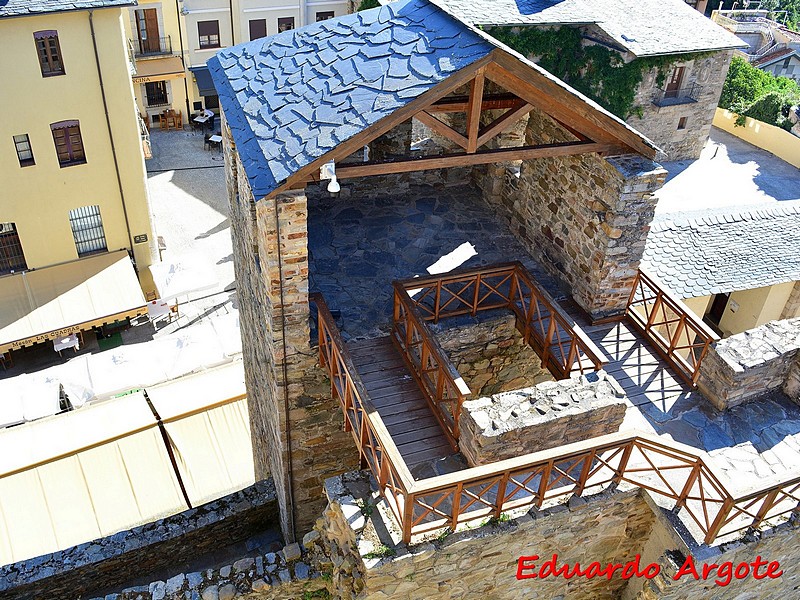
<point x="491" y="355"/>
<point x="537" y="418"/>
<point x="481" y="562"/>
<point x="748" y="364"/>
<point x="113" y="560"/>
<point x="283" y="575"/>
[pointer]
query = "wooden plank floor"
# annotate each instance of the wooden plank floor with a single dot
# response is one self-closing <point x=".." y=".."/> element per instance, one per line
<point x="642" y="373"/>
<point x="399" y="401"/>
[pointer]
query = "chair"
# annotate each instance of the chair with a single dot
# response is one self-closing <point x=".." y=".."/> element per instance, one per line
<point x="162" y="121"/>
<point x="207" y="142"/>
<point x="195" y="125"/>
<point x="210" y="122"/>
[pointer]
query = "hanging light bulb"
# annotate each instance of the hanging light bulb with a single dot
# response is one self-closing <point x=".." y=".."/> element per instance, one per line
<point x="333" y="185"/>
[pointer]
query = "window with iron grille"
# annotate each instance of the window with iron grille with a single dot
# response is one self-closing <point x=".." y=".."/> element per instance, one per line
<point x="22" y="143"/>
<point x="69" y="144"/>
<point x="156" y="93"/>
<point x="49" y="53"/>
<point x="208" y="31"/>
<point x="87" y="229"/>
<point x="11" y="256"/>
<point x="285" y="24"/>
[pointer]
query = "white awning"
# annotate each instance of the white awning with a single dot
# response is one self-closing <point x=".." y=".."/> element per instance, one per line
<point x="104" y="468"/>
<point x="44" y="304"/>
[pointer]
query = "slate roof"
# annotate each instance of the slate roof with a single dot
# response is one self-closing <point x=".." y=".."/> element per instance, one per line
<point x="22" y="8"/>
<point x="643" y="27"/>
<point x="295" y="96"/>
<point x="775" y="57"/>
<point x="291" y="98"/>
<point x="722" y="253"/>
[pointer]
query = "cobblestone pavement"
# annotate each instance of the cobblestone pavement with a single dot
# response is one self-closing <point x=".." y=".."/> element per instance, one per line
<point x="359" y="244"/>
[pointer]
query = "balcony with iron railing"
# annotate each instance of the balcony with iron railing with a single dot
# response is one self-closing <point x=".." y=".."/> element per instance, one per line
<point x="685" y="95"/>
<point x="151" y="47"/>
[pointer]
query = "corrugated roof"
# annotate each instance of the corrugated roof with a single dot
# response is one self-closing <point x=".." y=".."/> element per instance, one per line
<point x="721" y="253"/>
<point x="22" y="8"/>
<point x="643" y="27"/>
<point x="294" y="97"/>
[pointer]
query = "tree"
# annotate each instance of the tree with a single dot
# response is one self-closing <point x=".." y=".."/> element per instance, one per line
<point x="367" y="4"/>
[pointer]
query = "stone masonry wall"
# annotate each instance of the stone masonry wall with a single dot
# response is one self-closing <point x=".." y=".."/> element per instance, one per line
<point x="585" y="218"/>
<point x="491" y="355"/>
<point x="749" y="364"/>
<point x="113" y="560"/>
<point x="272" y="288"/>
<point x="660" y="123"/>
<point x="792" y="307"/>
<point x="480" y="562"/>
<point x="537" y="418"/>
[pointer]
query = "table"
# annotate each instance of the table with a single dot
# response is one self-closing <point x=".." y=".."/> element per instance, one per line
<point x="216" y="140"/>
<point x="67" y="341"/>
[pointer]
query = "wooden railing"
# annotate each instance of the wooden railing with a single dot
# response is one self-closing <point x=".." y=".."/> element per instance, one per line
<point x="563" y="347"/>
<point x="676" y="333"/>
<point x="669" y="470"/>
<point x="438" y="379"/>
<point x="375" y="446"/>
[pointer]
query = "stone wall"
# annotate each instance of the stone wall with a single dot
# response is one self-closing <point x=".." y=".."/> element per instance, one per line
<point x="749" y="364"/>
<point x="285" y="385"/>
<point x="537" y="418"/>
<point x="481" y="562"/>
<point x="660" y="123"/>
<point x="792" y="307"/>
<point x="113" y="560"/>
<point x="490" y="355"/>
<point x="585" y="218"/>
<point x="283" y="575"/>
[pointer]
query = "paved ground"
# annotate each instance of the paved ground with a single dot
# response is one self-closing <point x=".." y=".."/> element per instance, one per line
<point x="359" y="244"/>
<point x="729" y="172"/>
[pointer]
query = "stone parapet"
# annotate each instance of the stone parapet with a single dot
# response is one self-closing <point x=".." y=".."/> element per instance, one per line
<point x="548" y="415"/>
<point x="123" y="556"/>
<point x="491" y="355"/>
<point x="749" y="364"/>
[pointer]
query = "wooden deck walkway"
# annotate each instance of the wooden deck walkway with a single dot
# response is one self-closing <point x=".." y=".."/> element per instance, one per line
<point x="399" y="401"/>
<point x="641" y="372"/>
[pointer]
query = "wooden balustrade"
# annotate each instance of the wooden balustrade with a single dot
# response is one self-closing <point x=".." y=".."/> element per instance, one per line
<point x="676" y="333"/>
<point x="668" y="469"/>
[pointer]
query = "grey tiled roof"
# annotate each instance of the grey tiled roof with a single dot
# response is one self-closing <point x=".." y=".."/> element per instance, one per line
<point x="722" y="253"/>
<point x="21" y="8"/>
<point x="643" y="27"/>
<point x="293" y="97"/>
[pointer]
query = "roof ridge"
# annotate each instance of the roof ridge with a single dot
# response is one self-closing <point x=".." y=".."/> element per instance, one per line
<point x="753" y="213"/>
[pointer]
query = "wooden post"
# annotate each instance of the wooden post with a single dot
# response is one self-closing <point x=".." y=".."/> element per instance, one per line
<point x="769" y="502"/>
<point x="687" y="487"/>
<point x="544" y="483"/>
<point x="476" y="295"/>
<point x="719" y="521"/>
<point x="474" y="111"/>
<point x="501" y="494"/>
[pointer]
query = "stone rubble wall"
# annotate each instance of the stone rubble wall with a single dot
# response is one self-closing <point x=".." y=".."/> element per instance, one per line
<point x="777" y="544"/>
<point x="283" y="575"/>
<point x="490" y="355"/>
<point x="584" y="218"/>
<point x="551" y="414"/>
<point x="749" y="364"/>
<point x="125" y="555"/>
<point x="792" y="307"/>
<point x="660" y="123"/>
<point x="270" y="290"/>
<point x="482" y="562"/>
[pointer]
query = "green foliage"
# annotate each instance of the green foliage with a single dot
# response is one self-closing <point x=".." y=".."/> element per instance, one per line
<point x="366" y="507"/>
<point x="594" y="70"/>
<point x="381" y="552"/>
<point x="751" y="92"/>
<point x="367" y="4"/>
<point x="317" y="594"/>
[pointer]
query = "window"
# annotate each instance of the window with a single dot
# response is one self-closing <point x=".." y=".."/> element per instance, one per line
<point x="258" y="28"/>
<point x="285" y="24"/>
<point x="197" y="106"/>
<point x="211" y="101"/>
<point x="69" y="145"/>
<point x="682" y="123"/>
<point x="11" y="255"/>
<point x="156" y="93"/>
<point x="209" y="34"/>
<point x="24" y="151"/>
<point x="787" y="62"/>
<point x="674" y="82"/>
<point x="87" y="229"/>
<point x="49" y="53"/>
<point x="324" y="16"/>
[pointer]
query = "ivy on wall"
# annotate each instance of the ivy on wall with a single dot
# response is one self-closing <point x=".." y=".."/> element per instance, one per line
<point x="594" y="70"/>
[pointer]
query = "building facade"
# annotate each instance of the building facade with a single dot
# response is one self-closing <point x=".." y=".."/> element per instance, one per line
<point x="170" y="42"/>
<point x="71" y="157"/>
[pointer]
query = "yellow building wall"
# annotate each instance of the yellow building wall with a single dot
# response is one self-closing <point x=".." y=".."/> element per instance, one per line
<point x="767" y="137"/>
<point x="698" y="306"/>
<point x="756" y="307"/>
<point x="38" y="198"/>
